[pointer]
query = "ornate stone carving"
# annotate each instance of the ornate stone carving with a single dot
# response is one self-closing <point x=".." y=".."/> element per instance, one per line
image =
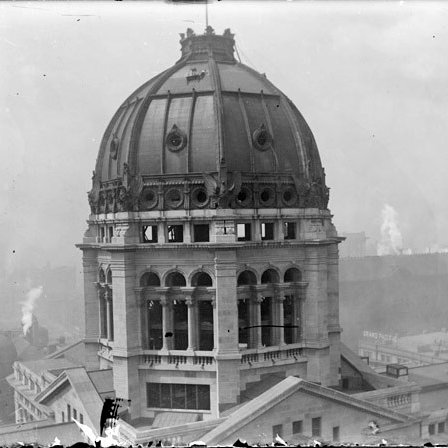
<point x="219" y="189"/>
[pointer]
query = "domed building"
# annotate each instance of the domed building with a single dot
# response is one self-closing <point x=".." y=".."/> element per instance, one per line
<point x="210" y="260"/>
<point x="211" y="280"/>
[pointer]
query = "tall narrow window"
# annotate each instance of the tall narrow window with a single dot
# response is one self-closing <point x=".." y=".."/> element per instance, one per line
<point x="243" y="231"/>
<point x="110" y="233"/>
<point x="205" y="325"/>
<point x="69" y="413"/>
<point x="267" y="231"/>
<point x="316" y="426"/>
<point x="336" y="433"/>
<point x="277" y="430"/>
<point x="155" y="334"/>
<point x="266" y="322"/>
<point x="149" y="234"/>
<point x="180" y="325"/>
<point x="176" y="233"/>
<point x="243" y="321"/>
<point x="288" y="319"/>
<point x="297" y="427"/>
<point x="201" y="233"/>
<point x="290" y="230"/>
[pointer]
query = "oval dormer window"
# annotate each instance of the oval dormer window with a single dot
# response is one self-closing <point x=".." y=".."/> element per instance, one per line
<point x="262" y="138"/>
<point x="176" y="139"/>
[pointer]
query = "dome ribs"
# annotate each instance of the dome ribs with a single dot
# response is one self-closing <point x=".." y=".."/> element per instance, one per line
<point x="248" y="133"/>
<point x="125" y="140"/>
<point x="301" y="152"/>
<point x="165" y="129"/>
<point x="218" y="109"/>
<point x="269" y="123"/>
<point x="227" y="117"/>
<point x="136" y="129"/>
<point x="190" y="129"/>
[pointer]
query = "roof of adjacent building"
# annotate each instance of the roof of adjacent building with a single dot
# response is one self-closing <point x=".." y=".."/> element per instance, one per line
<point x="266" y="401"/>
<point x="54" y="366"/>
<point x="79" y="380"/>
<point x="431" y="376"/>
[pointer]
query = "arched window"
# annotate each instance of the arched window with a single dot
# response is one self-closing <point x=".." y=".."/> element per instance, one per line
<point x="154" y="325"/>
<point x="109" y="277"/>
<point x="292" y="275"/>
<point x="270" y="276"/>
<point x="201" y="279"/>
<point x="246" y="278"/>
<point x="149" y="279"/>
<point x="101" y="276"/>
<point x="175" y="279"/>
<point x="180" y="321"/>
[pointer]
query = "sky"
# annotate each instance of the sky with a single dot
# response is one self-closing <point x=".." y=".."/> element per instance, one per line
<point x="370" y="78"/>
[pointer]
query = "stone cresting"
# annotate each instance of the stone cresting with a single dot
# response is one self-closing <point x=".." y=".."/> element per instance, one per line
<point x="133" y="193"/>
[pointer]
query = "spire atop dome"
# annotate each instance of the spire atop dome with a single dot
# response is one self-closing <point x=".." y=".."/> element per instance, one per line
<point x="197" y="47"/>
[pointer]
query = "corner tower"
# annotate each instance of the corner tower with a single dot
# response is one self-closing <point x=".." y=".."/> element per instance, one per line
<point x="210" y="260"/>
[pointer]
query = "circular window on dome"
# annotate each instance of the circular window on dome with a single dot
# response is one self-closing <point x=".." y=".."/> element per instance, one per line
<point x="267" y="196"/>
<point x="289" y="196"/>
<point x="174" y="198"/>
<point x="149" y="198"/>
<point x="261" y="138"/>
<point x="176" y="139"/>
<point x="244" y="197"/>
<point x="199" y="197"/>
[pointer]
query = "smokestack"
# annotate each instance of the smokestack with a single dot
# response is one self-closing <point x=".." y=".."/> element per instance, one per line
<point x="28" y="307"/>
<point x="391" y="238"/>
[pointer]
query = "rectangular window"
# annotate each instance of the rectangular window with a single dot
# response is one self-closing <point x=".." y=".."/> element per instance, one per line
<point x="267" y="231"/>
<point x="63" y="416"/>
<point x="176" y="233"/>
<point x="153" y="395"/>
<point x="178" y="396"/>
<point x="69" y="413"/>
<point x="297" y="427"/>
<point x="290" y="230"/>
<point x="316" y="426"/>
<point x="81" y="418"/>
<point x="336" y="433"/>
<point x="203" y="392"/>
<point x="75" y="414"/>
<point x="243" y="232"/>
<point x="111" y="233"/>
<point x="277" y="430"/>
<point x="432" y="429"/>
<point x="102" y="234"/>
<point x="165" y="396"/>
<point x="201" y="233"/>
<point x="441" y="427"/>
<point x="150" y="234"/>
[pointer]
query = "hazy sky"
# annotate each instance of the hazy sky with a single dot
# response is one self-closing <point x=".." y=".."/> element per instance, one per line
<point x="371" y="79"/>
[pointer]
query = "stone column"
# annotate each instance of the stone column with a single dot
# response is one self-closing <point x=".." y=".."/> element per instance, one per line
<point x="227" y="355"/>
<point x="110" y="314"/>
<point x="166" y="323"/>
<point x="144" y="307"/>
<point x="281" y="319"/>
<point x="213" y="301"/>
<point x="92" y="333"/>
<point x="257" y="322"/>
<point x="99" y="293"/>
<point x="191" y="323"/>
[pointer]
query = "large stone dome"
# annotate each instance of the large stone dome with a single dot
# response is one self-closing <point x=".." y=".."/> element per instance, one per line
<point x="216" y="124"/>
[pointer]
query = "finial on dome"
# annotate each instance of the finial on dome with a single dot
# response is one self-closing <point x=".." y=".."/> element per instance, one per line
<point x="209" y="31"/>
<point x="228" y="33"/>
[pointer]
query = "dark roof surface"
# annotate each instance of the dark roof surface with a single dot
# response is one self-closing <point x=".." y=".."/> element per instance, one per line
<point x="218" y="104"/>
